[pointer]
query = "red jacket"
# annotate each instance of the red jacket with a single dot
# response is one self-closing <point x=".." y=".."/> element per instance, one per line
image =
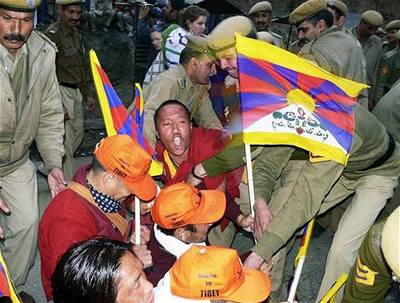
<point x="68" y="219"/>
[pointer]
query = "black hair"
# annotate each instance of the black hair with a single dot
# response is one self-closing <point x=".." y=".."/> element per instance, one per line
<point x="96" y="166"/>
<point x="88" y="271"/>
<point x="338" y="13"/>
<point x="170" y="232"/>
<point x="177" y="4"/>
<point x="191" y="14"/>
<point x="188" y="53"/>
<point x="170" y="102"/>
<point x="325" y="15"/>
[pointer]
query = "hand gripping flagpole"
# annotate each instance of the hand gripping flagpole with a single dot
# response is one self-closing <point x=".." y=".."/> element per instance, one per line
<point x="300" y="258"/>
<point x="250" y="179"/>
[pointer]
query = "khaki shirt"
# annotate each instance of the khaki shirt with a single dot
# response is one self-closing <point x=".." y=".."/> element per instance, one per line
<point x="376" y="66"/>
<point x="174" y="84"/>
<point x="340" y="54"/>
<point x="317" y="180"/>
<point x="34" y="112"/>
<point x="70" y="60"/>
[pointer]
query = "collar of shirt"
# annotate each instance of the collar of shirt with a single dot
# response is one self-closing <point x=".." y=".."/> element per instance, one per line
<point x="8" y="61"/>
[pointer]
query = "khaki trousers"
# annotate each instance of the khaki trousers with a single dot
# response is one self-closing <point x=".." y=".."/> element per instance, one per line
<point x="74" y="129"/>
<point x="19" y="191"/>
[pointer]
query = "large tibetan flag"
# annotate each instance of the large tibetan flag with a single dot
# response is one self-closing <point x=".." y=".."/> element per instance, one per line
<point x="288" y="100"/>
<point x="6" y="285"/>
<point x="115" y="115"/>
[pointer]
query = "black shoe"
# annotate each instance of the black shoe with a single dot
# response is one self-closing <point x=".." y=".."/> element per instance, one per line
<point x="26" y="298"/>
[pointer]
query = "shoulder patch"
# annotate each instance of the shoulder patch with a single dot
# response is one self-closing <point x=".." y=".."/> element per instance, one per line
<point x="364" y="275"/>
<point x="182" y="82"/>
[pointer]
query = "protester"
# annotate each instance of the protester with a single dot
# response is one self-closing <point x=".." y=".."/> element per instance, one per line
<point x="93" y="204"/>
<point x="31" y="110"/>
<point x="261" y="14"/>
<point x="212" y="273"/>
<point x="186" y="83"/>
<point x="378" y="263"/>
<point x="71" y="75"/>
<point x="100" y="271"/>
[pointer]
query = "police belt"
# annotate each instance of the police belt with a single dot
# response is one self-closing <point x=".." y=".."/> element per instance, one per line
<point x="388" y="153"/>
<point x="70" y="85"/>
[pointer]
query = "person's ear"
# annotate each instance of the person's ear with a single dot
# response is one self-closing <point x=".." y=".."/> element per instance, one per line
<point x="182" y="234"/>
<point x="108" y="179"/>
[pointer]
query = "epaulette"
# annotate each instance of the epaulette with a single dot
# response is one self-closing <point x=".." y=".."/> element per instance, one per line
<point x="46" y="39"/>
<point x="182" y="82"/>
<point x="391" y="53"/>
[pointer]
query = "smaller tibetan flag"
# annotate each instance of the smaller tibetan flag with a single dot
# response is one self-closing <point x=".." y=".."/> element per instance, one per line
<point x="115" y="114"/>
<point x="6" y="285"/>
<point x="290" y="101"/>
<point x="138" y="113"/>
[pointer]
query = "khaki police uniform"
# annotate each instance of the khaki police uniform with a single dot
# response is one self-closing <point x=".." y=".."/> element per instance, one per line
<point x="71" y="76"/>
<point x="31" y="110"/>
<point x="175" y="84"/>
<point x="393" y="67"/>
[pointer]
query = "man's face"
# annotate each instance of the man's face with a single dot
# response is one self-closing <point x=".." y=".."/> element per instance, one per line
<point x="15" y="29"/>
<point x="307" y="31"/>
<point x="156" y="40"/>
<point x="366" y="30"/>
<point x="71" y="14"/>
<point x="261" y="20"/>
<point x="390" y="36"/>
<point x="227" y="61"/>
<point x="204" y="69"/>
<point x="133" y="286"/>
<point x="197" y="233"/>
<point x="174" y="130"/>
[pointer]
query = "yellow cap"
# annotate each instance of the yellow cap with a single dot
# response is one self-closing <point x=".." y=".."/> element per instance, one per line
<point x="223" y="35"/>
<point x="263" y="6"/>
<point x="68" y="2"/>
<point x="339" y="5"/>
<point x="391" y="241"/>
<point x="372" y="17"/>
<point x="20" y="5"/>
<point x="200" y="44"/>
<point x="395" y="24"/>
<point x="306" y="10"/>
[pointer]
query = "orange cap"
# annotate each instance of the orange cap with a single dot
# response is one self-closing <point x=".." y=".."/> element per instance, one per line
<point x="210" y="273"/>
<point x="126" y="159"/>
<point x="181" y="204"/>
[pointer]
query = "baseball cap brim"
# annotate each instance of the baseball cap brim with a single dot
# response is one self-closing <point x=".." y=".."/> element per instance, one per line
<point x="144" y="189"/>
<point x="212" y="209"/>
<point x="255" y="288"/>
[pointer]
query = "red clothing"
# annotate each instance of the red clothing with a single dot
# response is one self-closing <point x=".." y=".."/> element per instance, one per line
<point x="204" y="144"/>
<point x="68" y="219"/>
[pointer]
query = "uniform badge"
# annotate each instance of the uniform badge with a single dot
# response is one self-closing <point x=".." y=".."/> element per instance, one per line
<point x="364" y="275"/>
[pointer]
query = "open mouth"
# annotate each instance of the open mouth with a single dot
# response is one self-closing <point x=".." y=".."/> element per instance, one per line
<point x="177" y="142"/>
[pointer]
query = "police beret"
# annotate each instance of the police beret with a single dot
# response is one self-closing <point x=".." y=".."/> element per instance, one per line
<point x="223" y="35"/>
<point x="68" y="2"/>
<point x="372" y="17"/>
<point x="200" y="44"/>
<point x="339" y="5"/>
<point x="395" y="24"/>
<point x="265" y="36"/>
<point x="20" y="5"/>
<point x="397" y="35"/>
<point x="306" y="10"/>
<point x="263" y="6"/>
<point x="380" y="31"/>
<point x="391" y="240"/>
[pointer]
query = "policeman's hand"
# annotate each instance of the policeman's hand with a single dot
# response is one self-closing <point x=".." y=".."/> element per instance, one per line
<point x="144" y="235"/>
<point x="56" y="181"/>
<point x="90" y="103"/>
<point x="253" y="261"/>
<point x="246" y="222"/>
<point x="263" y="217"/>
<point x="66" y="115"/>
<point x="196" y="175"/>
<point x="143" y="254"/>
<point x="4" y="208"/>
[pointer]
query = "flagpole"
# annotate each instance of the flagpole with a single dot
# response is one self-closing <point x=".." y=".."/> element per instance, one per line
<point x="137" y="221"/>
<point x="250" y="178"/>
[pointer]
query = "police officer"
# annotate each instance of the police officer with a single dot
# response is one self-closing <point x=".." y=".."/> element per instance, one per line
<point x="378" y="263"/>
<point x="393" y="63"/>
<point x="71" y="75"/>
<point x="30" y="109"/>
<point x="186" y="83"/>
<point x="391" y="29"/>
<point x="372" y="47"/>
<point x="261" y="14"/>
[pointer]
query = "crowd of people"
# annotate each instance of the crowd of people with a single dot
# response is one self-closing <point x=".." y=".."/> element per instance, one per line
<point x="191" y="214"/>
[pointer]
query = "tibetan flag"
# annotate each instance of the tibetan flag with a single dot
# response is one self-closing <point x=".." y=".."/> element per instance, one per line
<point x="115" y="114"/>
<point x="290" y="101"/>
<point x="6" y="285"/>
<point x="138" y="113"/>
